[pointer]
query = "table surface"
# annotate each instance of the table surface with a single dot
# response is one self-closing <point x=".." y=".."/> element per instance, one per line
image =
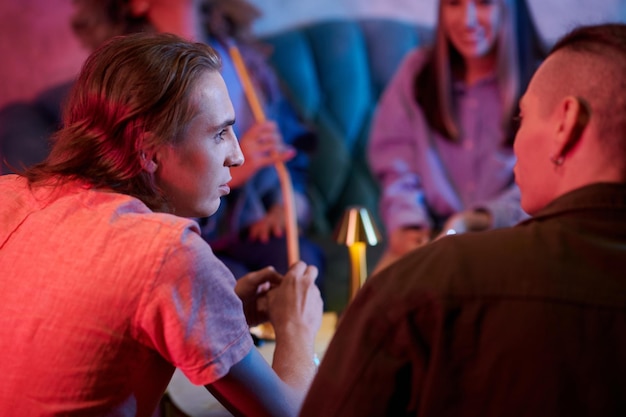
<point x="196" y="401"/>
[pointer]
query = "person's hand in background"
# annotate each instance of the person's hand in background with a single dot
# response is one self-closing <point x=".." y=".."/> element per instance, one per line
<point x="273" y="224"/>
<point x="466" y="221"/>
<point x="402" y="241"/>
<point x="261" y="145"/>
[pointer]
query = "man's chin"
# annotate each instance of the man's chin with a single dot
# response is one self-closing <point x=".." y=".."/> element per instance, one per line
<point x="211" y="209"/>
<point x="199" y="212"/>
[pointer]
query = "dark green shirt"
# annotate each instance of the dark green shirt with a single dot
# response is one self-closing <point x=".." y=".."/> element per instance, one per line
<point x="524" y="321"/>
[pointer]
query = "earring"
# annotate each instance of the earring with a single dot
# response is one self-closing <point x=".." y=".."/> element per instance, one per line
<point x="558" y="161"/>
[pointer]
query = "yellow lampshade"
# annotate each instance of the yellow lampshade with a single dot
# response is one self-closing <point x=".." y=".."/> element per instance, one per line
<point x="357" y="226"/>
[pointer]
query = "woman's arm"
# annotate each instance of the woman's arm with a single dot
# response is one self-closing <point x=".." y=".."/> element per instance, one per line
<point x="397" y="128"/>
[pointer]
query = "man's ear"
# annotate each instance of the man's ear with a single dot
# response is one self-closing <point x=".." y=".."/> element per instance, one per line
<point x="148" y="162"/>
<point x="574" y="113"/>
<point x="148" y="156"/>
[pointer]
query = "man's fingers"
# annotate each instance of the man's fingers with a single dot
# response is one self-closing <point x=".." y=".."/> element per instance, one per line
<point x="311" y="274"/>
<point x="267" y="274"/>
<point x="307" y="273"/>
<point x="262" y="306"/>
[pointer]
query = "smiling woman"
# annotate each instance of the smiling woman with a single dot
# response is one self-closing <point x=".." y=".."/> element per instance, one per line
<point x="472" y="28"/>
<point x="441" y="138"/>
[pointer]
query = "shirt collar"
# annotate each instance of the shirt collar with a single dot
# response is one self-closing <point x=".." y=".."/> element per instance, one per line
<point x="595" y="196"/>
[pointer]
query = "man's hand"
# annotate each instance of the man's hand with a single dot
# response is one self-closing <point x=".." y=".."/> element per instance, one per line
<point x="295" y="310"/>
<point x="295" y="305"/>
<point x="252" y="289"/>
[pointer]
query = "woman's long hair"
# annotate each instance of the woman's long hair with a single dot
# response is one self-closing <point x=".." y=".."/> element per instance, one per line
<point x="519" y="52"/>
<point x="133" y="93"/>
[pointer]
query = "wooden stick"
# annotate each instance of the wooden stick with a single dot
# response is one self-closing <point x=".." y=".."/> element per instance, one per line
<point x="293" y="250"/>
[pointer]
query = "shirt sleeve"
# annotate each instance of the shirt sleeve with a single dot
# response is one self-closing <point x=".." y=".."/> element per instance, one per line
<point x="396" y="128"/>
<point x="192" y="315"/>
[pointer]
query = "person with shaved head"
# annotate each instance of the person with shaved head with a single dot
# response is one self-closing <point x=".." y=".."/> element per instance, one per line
<point x="525" y="321"/>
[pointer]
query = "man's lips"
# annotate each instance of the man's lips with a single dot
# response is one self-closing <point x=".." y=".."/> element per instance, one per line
<point x="224" y="189"/>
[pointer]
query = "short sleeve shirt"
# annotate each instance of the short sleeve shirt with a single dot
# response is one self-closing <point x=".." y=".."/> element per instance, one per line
<point x="102" y="298"/>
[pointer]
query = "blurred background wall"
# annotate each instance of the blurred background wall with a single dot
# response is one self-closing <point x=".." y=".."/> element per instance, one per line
<point x="37" y="48"/>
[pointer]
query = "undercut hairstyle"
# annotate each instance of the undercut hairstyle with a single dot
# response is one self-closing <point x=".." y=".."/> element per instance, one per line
<point x="135" y="92"/>
<point x="519" y="51"/>
<point x="598" y="53"/>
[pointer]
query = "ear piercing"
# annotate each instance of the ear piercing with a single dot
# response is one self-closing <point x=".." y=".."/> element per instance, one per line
<point x="558" y="161"/>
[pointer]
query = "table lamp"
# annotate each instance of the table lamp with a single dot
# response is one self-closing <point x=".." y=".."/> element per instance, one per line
<point x="357" y="230"/>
